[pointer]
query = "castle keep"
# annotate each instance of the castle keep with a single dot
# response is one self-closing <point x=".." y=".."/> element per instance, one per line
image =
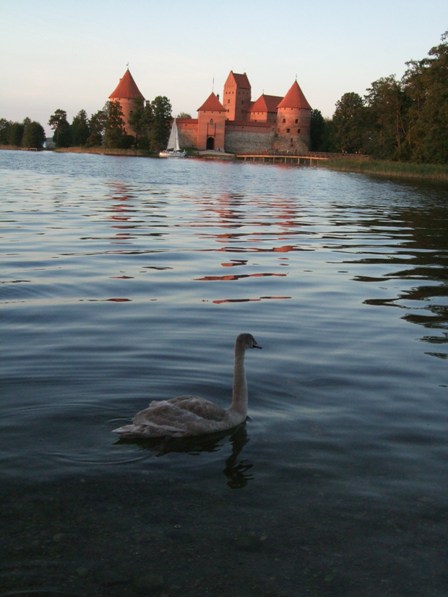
<point x="237" y="124"/>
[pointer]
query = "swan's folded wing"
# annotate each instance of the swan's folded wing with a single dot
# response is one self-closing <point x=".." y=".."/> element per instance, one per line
<point x="205" y="409"/>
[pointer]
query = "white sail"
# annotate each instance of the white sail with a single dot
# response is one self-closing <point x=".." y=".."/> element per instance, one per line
<point x="173" y="141"/>
<point x="173" y="149"/>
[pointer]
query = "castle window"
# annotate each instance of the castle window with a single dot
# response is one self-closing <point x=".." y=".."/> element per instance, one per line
<point x="211" y="120"/>
<point x="297" y="121"/>
<point x="284" y="120"/>
<point x="287" y="130"/>
<point x="298" y="130"/>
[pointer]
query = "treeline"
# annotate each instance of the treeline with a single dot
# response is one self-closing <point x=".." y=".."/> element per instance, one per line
<point x="151" y="124"/>
<point x="27" y="134"/>
<point x="401" y="120"/>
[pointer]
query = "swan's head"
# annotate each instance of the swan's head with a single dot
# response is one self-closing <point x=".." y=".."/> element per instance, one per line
<point x="246" y="341"/>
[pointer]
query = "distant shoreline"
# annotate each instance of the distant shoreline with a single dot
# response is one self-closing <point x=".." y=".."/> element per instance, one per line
<point x="92" y="150"/>
<point x="385" y="169"/>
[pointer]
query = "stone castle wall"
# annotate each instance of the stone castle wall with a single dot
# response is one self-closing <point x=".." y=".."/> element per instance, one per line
<point x="249" y="138"/>
<point x="291" y="145"/>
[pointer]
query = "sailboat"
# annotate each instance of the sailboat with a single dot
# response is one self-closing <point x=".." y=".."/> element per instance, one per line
<point x="173" y="149"/>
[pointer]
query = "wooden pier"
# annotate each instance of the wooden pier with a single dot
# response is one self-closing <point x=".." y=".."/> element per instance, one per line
<point x="308" y="159"/>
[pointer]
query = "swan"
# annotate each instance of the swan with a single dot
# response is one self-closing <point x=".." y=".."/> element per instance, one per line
<point x="187" y="416"/>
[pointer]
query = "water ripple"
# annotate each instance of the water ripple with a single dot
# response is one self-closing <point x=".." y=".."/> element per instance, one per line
<point x="114" y="291"/>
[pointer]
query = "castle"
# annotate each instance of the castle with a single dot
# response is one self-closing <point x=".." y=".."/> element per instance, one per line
<point x="238" y="124"/>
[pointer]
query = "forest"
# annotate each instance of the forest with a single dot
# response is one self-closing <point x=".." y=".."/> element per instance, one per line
<point x="402" y="120"/>
<point x="105" y="128"/>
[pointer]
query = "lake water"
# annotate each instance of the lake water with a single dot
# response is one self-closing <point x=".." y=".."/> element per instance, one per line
<point x="127" y="279"/>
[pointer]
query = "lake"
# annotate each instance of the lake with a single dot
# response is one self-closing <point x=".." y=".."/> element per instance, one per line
<point x="127" y="279"/>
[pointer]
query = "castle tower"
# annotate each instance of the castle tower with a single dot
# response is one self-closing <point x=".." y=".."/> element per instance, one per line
<point x="211" y="124"/>
<point x="128" y="95"/>
<point x="293" y="121"/>
<point x="237" y="96"/>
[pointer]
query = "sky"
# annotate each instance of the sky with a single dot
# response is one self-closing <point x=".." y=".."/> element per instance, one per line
<point x="70" y="54"/>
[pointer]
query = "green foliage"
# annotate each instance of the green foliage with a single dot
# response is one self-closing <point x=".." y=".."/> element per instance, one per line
<point x="97" y="124"/>
<point x="317" y="128"/>
<point x="141" y="120"/>
<point x="4" y="130"/>
<point x="321" y="133"/>
<point x="151" y="124"/>
<point x="62" y="132"/>
<point x="386" y="119"/>
<point x="33" y="135"/>
<point x="403" y="120"/>
<point x="434" y="172"/>
<point x="426" y="83"/>
<point x="29" y="134"/>
<point x="80" y="128"/>
<point x="15" y="134"/>
<point x="349" y="123"/>
<point x="161" y="123"/>
<point x="114" y="129"/>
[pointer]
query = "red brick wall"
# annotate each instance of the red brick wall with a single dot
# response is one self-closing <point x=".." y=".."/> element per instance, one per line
<point x="293" y="129"/>
<point x="211" y="130"/>
<point x="236" y="101"/>
<point x="188" y="132"/>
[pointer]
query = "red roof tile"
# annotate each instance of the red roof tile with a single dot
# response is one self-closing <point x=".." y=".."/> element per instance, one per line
<point x="240" y="80"/>
<point x="126" y="88"/>
<point x="294" y="98"/>
<point x="266" y="103"/>
<point x="212" y="104"/>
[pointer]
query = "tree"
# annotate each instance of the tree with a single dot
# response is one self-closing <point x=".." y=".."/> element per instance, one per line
<point x="4" y="131"/>
<point x="114" y="130"/>
<point x="33" y="135"/>
<point x="97" y="124"/>
<point x="387" y="118"/>
<point x="141" y="120"/>
<point x="161" y="125"/>
<point x="317" y="131"/>
<point x="349" y="123"/>
<point x="62" y="133"/>
<point x="80" y="128"/>
<point x="426" y="84"/>
<point x="15" y="134"/>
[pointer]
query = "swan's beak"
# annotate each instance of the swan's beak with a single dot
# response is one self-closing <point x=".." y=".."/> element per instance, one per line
<point x="257" y="346"/>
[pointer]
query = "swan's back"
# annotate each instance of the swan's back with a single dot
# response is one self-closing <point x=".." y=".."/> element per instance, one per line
<point x="178" y="417"/>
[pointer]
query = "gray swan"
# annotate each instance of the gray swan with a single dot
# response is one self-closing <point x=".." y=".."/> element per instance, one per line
<point x="187" y="416"/>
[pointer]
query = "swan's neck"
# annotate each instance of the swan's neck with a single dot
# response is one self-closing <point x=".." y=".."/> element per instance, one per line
<point x="239" y="396"/>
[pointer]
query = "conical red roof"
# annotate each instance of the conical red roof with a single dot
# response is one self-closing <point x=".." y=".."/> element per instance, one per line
<point x="126" y="88"/>
<point x="212" y="104"/>
<point x="294" y="99"/>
